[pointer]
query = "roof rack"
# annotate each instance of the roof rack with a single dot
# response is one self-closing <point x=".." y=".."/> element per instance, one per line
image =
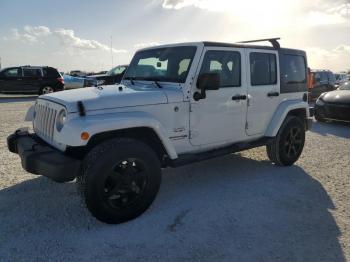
<point x="274" y="42"/>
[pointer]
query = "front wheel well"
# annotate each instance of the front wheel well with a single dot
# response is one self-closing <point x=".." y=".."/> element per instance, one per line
<point x="300" y="113"/>
<point x="144" y="134"/>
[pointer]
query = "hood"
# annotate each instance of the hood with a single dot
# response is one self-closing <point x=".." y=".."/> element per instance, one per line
<point x="115" y="96"/>
<point x="337" y="96"/>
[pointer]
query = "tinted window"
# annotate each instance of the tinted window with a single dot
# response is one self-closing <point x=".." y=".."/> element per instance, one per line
<point x="263" y="69"/>
<point x="31" y="72"/>
<point x="50" y="72"/>
<point x="324" y="77"/>
<point x="226" y="63"/>
<point x="13" y="72"/>
<point x="293" y="69"/>
<point x="163" y="64"/>
<point x="331" y="77"/>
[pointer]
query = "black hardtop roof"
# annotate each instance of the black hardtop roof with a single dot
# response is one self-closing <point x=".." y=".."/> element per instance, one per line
<point x="238" y="45"/>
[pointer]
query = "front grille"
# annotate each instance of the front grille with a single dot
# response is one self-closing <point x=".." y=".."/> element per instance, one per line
<point x="44" y="121"/>
<point x="341" y="112"/>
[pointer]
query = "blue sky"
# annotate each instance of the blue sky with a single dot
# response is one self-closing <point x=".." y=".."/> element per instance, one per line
<point x="76" y="34"/>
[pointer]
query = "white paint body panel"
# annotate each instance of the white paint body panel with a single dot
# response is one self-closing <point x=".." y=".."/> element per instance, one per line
<point x="182" y="124"/>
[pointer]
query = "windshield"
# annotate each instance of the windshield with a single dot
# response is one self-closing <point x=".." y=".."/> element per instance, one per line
<point x="169" y="64"/>
<point x="345" y="86"/>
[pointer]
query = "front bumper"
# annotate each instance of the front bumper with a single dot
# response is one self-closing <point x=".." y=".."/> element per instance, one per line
<point x="332" y="111"/>
<point x="39" y="158"/>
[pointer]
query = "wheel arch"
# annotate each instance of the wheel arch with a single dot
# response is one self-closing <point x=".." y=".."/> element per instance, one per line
<point x="287" y="108"/>
<point x="144" y="134"/>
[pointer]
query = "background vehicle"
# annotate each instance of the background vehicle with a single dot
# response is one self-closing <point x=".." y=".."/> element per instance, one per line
<point x="177" y="104"/>
<point x="78" y="73"/>
<point x="334" y="105"/>
<point x="113" y="76"/>
<point x="321" y="81"/>
<point x="30" y="79"/>
<point x="341" y="78"/>
<point x="71" y="82"/>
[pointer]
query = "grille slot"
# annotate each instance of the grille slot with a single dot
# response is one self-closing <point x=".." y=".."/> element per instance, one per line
<point x="44" y="121"/>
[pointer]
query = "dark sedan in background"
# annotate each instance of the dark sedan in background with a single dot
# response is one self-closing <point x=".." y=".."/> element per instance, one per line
<point x="334" y="105"/>
<point x="30" y="79"/>
<point x="113" y="76"/>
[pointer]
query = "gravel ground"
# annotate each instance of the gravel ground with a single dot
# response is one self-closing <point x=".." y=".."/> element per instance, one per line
<point x="235" y="208"/>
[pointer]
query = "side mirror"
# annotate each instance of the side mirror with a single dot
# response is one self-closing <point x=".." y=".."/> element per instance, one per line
<point x="206" y="81"/>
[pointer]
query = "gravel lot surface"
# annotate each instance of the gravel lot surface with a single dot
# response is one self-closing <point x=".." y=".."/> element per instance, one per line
<point x="235" y="208"/>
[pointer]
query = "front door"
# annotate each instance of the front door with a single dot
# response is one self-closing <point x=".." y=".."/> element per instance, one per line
<point x="220" y="117"/>
<point x="12" y="79"/>
<point x="263" y="89"/>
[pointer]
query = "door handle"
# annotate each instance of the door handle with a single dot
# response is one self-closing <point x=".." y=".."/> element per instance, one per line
<point x="270" y="94"/>
<point x="239" y="97"/>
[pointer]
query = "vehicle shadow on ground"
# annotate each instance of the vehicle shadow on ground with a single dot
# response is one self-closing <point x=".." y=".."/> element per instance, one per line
<point x="17" y="99"/>
<point x="339" y="129"/>
<point x="225" y="209"/>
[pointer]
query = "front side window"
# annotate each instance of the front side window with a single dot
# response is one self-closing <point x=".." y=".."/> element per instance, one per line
<point x="31" y="72"/>
<point x="225" y="63"/>
<point x="13" y="72"/>
<point x="293" y="69"/>
<point x="263" y="69"/>
<point x="170" y="64"/>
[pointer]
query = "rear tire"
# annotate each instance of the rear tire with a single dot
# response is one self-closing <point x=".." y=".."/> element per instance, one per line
<point x="46" y="90"/>
<point x="120" y="179"/>
<point x="288" y="145"/>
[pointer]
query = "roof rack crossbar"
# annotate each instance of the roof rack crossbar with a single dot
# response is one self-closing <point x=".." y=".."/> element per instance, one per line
<point x="274" y="42"/>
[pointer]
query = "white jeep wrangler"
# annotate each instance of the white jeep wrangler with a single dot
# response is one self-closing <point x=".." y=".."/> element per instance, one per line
<point x="177" y="104"/>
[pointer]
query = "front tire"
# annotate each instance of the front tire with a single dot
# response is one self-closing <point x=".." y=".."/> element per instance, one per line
<point x="288" y="145"/>
<point x="120" y="179"/>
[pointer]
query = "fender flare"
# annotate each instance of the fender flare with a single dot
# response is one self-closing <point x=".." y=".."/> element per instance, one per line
<point x="280" y="114"/>
<point x="95" y="124"/>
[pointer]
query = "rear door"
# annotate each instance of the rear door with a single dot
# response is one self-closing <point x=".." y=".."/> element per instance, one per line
<point x="263" y="89"/>
<point x="32" y="79"/>
<point x="220" y="117"/>
<point x="12" y="80"/>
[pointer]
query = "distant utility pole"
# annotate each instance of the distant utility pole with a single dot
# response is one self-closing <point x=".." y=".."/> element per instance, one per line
<point x="112" y="51"/>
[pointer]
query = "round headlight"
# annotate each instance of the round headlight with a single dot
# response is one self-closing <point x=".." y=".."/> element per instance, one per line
<point x="61" y="119"/>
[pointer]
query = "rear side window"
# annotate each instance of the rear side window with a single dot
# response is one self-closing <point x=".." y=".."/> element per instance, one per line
<point x="51" y="72"/>
<point x="293" y="69"/>
<point x="225" y="63"/>
<point x="29" y="72"/>
<point x="263" y="69"/>
<point x="294" y="72"/>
